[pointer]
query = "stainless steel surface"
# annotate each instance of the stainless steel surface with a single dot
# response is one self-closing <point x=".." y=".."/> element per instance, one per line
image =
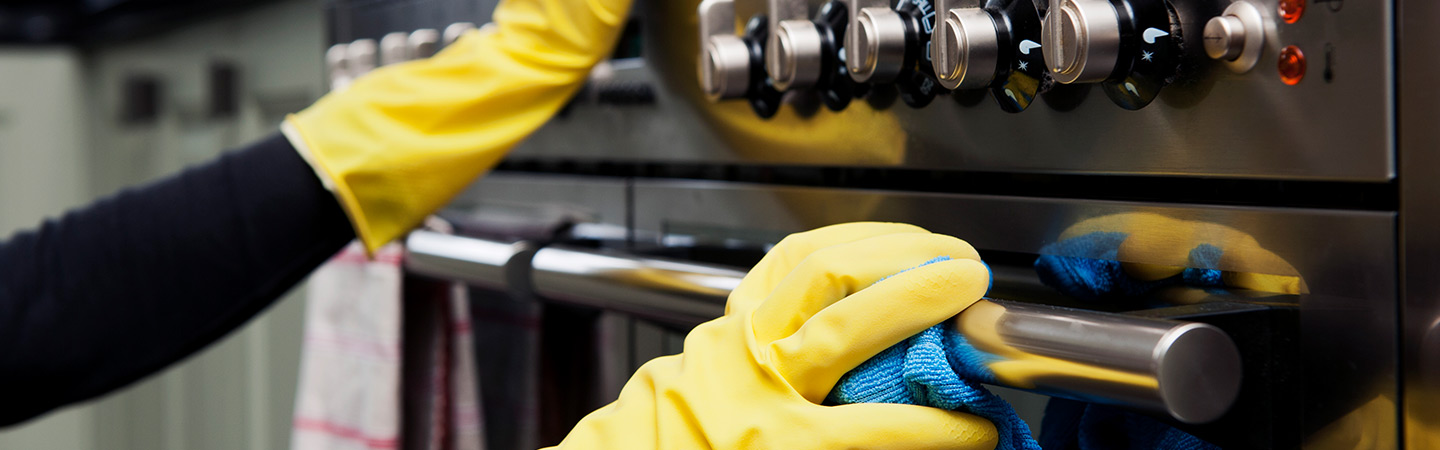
<point x="1419" y="43"/>
<point x="394" y="48"/>
<point x="678" y="291"/>
<point x="796" y="57"/>
<point x="1427" y="372"/>
<point x="1187" y="370"/>
<point x="724" y="61"/>
<point x="1025" y="224"/>
<point x="1237" y="36"/>
<point x="1210" y="122"/>
<point x="475" y="261"/>
<point x="1347" y="259"/>
<point x="424" y="43"/>
<point x="675" y="291"/>
<point x="1224" y="37"/>
<point x="603" y="201"/>
<point x="1190" y="371"/>
<point x="1081" y="42"/>
<point x="716" y="18"/>
<point x="454" y="31"/>
<point x="965" y="48"/>
<point x="875" y="44"/>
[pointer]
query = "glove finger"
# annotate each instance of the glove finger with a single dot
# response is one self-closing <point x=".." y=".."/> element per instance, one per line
<point x="834" y="272"/>
<point x="1248" y="265"/>
<point x="843" y="335"/>
<point x="889" y="426"/>
<point x="783" y="258"/>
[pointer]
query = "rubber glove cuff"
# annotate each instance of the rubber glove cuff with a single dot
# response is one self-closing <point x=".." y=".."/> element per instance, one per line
<point x="403" y="140"/>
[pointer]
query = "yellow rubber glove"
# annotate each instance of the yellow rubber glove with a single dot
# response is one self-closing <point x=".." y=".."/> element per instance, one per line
<point x="1158" y="247"/>
<point x="811" y="310"/>
<point x="403" y="140"/>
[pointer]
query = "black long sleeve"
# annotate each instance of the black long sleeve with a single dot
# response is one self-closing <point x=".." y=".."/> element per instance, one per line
<point x="122" y="288"/>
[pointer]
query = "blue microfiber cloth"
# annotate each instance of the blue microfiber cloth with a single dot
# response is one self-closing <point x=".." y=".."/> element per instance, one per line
<point x="935" y="368"/>
<point x="1087" y="267"/>
<point x="939" y="368"/>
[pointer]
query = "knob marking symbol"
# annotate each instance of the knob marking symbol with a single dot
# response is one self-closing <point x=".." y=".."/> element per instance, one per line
<point x="1027" y="45"/>
<point x="1152" y="33"/>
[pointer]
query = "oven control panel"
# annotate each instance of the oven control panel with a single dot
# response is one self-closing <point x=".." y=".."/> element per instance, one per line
<point x="1250" y="89"/>
<point x="1256" y="89"/>
<point x="1014" y="49"/>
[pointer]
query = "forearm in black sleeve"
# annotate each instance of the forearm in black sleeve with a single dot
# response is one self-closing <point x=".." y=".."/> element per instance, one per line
<point x="122" y="288"/>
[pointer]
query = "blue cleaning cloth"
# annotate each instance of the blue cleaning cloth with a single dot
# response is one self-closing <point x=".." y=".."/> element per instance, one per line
<point x="1087" y="267"/>
<point x="939" y="368"/>
<point x="935" y="368"/>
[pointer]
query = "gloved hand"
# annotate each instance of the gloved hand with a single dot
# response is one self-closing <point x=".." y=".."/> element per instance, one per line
<point x="401" y="141"/>
<point x="817" y="305"/>
<point x="1130" y="254"/>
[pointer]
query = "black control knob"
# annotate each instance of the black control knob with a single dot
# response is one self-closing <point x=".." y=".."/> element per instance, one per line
<point x="917" y="83"/>
<point x="887" y="45"/>
<point x="995" y="46"/>
<point x="1131" y="46"/>
<point x="763" y="96"/>
<point x="835" y="86"/>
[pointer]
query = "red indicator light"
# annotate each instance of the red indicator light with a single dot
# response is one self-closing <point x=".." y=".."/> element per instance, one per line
<point x="1292" y="65"/>
<point x="1291" y="10"/>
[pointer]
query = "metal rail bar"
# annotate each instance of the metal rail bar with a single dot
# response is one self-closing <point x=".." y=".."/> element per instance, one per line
<point x="1190" y="371"/>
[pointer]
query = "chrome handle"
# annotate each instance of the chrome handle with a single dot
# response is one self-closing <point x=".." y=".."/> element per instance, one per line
<point x="480" y="262"/>
<point x="1188" y="370"/>
<point x="679" y="291"/>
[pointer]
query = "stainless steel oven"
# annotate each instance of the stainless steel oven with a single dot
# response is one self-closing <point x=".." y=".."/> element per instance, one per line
<point x="1295" y="136"/>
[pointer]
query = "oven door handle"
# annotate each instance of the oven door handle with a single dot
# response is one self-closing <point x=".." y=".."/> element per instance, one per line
<point x="1187" y="370"/>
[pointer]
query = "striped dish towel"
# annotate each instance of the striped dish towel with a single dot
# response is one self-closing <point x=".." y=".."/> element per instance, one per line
<point x="381" y="373"/>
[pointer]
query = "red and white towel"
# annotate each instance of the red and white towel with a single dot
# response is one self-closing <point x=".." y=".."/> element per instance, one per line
<point x="359" y="389"/>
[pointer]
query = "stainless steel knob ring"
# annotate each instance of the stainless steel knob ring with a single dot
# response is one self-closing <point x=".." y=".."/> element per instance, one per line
<point x="395" y="48"/>
<point x="1236" y="38"/>
<point x="724" y="67"/>
<point x="795" y="55"/>
<point x="424" y="43"/>
<point x="965" y="50"/>
<point x="1081" y="41"/>
<point x="875" y="46"/>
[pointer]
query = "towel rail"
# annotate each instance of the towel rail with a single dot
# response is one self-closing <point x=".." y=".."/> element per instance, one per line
<point x="1190" y="371"/>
